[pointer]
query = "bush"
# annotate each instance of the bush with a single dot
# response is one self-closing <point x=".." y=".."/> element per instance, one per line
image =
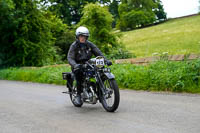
<point x="160" y="76"/>
<point x="135" y="19"/>
<point x="120" y="52"/>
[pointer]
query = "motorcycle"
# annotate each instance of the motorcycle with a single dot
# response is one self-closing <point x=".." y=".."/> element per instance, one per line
<point x="98" y="85"/>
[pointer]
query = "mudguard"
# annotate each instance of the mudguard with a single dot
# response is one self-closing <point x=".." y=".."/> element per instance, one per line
<point x="69" y="76"/>
<point x="109" y="75"/>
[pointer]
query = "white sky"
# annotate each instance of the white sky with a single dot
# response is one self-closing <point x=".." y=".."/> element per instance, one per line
<point x="178" y="8"/>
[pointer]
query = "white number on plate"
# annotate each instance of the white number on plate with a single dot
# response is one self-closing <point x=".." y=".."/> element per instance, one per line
<point x="100" y="62"/>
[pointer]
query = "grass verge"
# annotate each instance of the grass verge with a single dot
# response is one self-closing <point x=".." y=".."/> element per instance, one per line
<point x="159" y="76"/>
<point x="50" y="75"/>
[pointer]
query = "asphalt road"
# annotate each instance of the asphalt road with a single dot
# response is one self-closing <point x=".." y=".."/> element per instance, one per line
<point x="42" y="108"/>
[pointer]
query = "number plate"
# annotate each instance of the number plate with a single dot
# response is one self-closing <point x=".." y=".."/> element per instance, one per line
<point x="100" y="62"/>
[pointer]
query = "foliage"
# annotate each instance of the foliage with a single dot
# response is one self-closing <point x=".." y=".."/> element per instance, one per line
<point x="113" y="9"/>
<point x="159" y="76"/>
<point x="31" y="36"/>
<point x="199" y="6"/>
<point x="62" y="33"/>
<point x="26" y="37"/>
<point x="99" y="21"/>
<point x="119" y="52"/>
<point x="159" y="11"/>
<point x="176" y="36"/>
<point x="135" y="19"/>
<point x="139" y="13"/>
<point x="6" y="16"/>
<point x="70" y="11"/>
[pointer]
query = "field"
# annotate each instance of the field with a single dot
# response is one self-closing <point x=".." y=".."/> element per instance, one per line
<point x="176" y="36"/>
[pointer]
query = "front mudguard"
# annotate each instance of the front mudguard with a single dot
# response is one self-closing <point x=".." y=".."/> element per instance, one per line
<point x="109" y="75"/>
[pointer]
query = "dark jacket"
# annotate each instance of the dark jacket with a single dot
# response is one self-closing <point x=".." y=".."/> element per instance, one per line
<point x="79" y="53"/>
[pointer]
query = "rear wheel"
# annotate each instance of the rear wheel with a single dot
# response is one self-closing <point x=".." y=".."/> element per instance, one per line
<point x="110" y="100"/>
<point x="73" y="95"/>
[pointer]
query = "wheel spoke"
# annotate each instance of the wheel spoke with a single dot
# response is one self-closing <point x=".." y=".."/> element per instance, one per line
<point x="109" y="97"/>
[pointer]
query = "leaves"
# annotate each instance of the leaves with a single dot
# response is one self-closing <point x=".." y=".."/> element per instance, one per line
<point x="27" y="40"/>
<point x="99" y="22"/>
<point x="139" y="13"/>
<point x="160" y="76"/>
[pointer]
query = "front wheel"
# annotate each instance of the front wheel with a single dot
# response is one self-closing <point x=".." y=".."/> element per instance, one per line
<point x="110" y="100"/>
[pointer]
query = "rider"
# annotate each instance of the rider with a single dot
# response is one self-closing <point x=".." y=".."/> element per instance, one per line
<point x="81" y="51"/>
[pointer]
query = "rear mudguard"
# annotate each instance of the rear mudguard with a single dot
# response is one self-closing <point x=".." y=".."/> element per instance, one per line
<point x="69" y="76"/>
<point x="109" y="75"/>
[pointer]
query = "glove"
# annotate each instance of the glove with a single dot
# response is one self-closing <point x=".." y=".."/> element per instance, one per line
<point x="109" y="63"/>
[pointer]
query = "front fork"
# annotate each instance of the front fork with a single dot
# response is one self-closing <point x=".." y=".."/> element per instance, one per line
<point x="100" y="83"/>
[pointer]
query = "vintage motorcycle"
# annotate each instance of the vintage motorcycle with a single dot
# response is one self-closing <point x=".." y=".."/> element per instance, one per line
<point x="98" y="85"/>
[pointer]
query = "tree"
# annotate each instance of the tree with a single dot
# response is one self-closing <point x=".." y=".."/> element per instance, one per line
<point x="159" y="11"/>
<point x="63" y="34"/>
<point x="70" y="11"/>
<point x="25" y="34"/>
<point x="199" y="6"/>
<point x="139" y="13"/>
<point x="113" y="9"/>
<point x="99" y="21"/>
<point x="6" y="29"/>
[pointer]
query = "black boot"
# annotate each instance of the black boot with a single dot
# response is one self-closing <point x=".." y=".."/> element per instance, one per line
<point x="78" y="100"/>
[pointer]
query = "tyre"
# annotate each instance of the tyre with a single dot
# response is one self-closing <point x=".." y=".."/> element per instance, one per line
<point x="73" y="94"/>
<point x="111" y="99"/>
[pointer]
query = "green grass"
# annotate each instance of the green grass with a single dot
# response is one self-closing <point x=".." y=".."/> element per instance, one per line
<point x="176" y="36"/>
<point x="51" y="75"/>
<point x="159" y="76"/>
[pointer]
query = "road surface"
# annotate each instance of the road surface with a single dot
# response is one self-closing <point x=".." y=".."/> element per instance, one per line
<point x="42" y="108"/>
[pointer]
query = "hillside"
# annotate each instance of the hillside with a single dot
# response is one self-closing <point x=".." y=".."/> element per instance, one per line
<point x="176" y="36"/>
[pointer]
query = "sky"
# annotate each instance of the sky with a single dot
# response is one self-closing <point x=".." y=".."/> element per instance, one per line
<point x="178" y="8"/>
